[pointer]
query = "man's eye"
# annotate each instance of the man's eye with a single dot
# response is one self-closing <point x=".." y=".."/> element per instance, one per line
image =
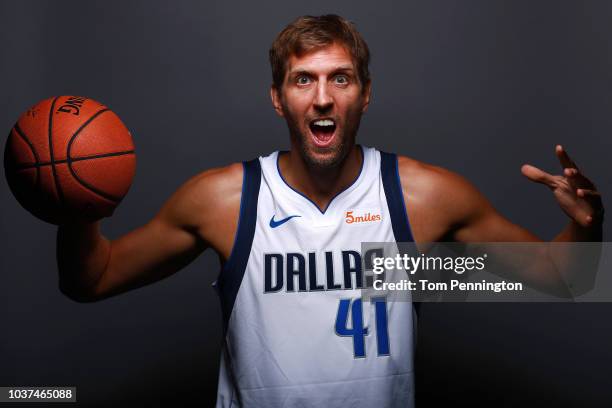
<point x="341" y="79"/>
<point x="302" y="80"/>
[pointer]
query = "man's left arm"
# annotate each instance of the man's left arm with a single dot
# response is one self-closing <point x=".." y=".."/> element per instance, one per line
<point x="463" y="214"/>
<point x="575" y="193"/>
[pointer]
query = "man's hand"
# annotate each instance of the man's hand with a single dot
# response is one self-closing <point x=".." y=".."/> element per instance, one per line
<point x="576" y="194"/>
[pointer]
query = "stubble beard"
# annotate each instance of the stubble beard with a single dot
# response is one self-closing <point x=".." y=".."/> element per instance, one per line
<point x="334" y="156"/>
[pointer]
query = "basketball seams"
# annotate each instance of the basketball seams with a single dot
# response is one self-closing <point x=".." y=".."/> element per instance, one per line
<point x="80" y="158"/>
<point x="23" y="136"/>
<point x="58" y="189"/>
<point x="69" y="159"/>
<point x="83" y="126"/>
<point x="92" y="188"/>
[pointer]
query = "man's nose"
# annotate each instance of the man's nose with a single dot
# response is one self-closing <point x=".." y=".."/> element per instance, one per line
<point x="323" y="100"/>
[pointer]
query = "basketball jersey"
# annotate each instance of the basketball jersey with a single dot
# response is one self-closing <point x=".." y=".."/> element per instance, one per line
<point x="296" y="331"/>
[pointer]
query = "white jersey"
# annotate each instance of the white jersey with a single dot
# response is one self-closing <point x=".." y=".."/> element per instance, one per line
<point x="297" y="333"/>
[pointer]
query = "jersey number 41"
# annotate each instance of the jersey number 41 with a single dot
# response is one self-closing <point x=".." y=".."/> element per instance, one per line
<point x="354" y="307"/>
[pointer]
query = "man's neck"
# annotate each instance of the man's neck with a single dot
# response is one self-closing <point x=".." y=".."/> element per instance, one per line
<point x="320" y="184"/>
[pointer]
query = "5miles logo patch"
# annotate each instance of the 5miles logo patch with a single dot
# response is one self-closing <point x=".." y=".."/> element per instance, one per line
<point x="356" y="216"/>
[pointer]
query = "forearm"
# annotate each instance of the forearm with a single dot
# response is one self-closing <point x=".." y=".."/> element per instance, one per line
<point x="82" y="256"/>
<point x="574" y="232"/>
<point x="577" y="264"/>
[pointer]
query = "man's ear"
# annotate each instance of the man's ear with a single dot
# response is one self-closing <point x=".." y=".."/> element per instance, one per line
<point x="366" y="94"/>
<point x="276" y="101"/>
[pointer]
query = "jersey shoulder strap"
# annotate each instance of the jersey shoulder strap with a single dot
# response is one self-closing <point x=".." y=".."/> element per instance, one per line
<point x="395" y="198"/>
<point x="234" y="268"/>
<point x="389" y="171"/>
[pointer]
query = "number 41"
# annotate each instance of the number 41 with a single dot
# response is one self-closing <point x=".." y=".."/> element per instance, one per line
<point x="357" y="331"/>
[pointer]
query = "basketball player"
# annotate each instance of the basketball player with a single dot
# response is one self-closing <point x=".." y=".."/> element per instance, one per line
<point x="288" y="227"/>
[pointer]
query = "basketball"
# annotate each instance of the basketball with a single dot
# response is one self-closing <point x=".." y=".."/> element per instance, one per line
<point x="69" y="157"/>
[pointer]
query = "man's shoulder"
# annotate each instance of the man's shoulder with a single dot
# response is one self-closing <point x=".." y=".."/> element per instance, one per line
<point x="437" y="188"/>
<point x="210" y="194"/>
<point x="217" y="181"/>
<point x="417" y="174"/>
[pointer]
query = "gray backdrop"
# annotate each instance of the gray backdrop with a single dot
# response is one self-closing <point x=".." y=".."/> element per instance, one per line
<point x="479" y="87"/>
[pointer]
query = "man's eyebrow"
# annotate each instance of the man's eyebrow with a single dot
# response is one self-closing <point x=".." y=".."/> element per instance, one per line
<point x="341" y="68"/>
<point x="299" y="71"/>
<point x="344" y="68"/>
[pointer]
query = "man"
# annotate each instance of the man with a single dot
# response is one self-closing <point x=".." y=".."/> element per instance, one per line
<point x="296" y="330"/>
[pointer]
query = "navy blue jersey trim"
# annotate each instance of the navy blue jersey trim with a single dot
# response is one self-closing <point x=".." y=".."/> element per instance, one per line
<point x="395" y="201"/>
<point x="233" y="271"/>
<point x="322" y="211"/>
<point x="395" y="197"/>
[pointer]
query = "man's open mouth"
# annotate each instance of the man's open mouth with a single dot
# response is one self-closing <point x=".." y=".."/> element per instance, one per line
<point x="323" y="131"/>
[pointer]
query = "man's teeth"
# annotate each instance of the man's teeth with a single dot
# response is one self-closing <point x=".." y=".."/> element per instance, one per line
<point x="324" y="122"/>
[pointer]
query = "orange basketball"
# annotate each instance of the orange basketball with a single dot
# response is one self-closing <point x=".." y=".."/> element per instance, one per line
<point x="69" y="157"/>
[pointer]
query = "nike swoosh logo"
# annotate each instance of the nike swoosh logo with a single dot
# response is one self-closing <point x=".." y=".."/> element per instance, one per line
<point x="278" y="223"/>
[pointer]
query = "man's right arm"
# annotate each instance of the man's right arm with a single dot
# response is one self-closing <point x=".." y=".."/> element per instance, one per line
<point x="201" y="213"/>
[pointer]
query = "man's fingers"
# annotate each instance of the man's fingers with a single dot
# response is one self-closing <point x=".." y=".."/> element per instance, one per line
<point x="577" y="179"/>
<point x="593" y="198"/>
<point x="572" y="176"/>
<point x="566" y="161"/>
<point x="537" y="175"/>
<point x="570" y="172"/>
<point x="582" y="192"/>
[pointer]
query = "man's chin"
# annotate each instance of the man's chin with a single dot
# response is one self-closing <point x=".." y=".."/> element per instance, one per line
<point x="322" y="158"/>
